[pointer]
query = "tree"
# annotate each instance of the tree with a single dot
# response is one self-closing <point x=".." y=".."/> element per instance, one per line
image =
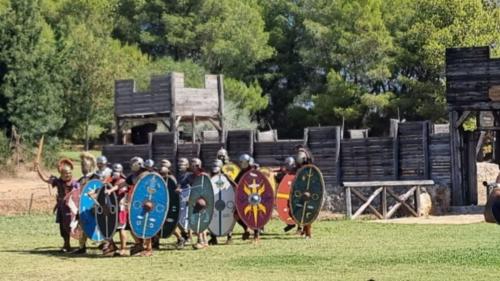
<point x="31" y="87"/>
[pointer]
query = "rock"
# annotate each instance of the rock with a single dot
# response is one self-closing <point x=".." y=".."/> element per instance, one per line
<point x="425" y="204"/>
<point x="440" y="199"/>
<point x="486" y="172"/>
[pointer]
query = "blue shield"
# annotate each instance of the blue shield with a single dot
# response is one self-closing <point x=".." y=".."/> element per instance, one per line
<point x="148" y="206"/>
<point x="87" y="209"/>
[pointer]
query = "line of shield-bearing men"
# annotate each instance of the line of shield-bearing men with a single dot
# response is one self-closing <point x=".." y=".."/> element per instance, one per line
<point x="241" y="181"/>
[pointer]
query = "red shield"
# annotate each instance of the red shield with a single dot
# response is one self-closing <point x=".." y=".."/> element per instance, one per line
<point x="283" y="198"/>
<point x="254" y="199"/>
<point x="72" y="200"/>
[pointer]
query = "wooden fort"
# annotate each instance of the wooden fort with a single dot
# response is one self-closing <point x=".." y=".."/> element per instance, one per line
<point x="169" y="101"/>
<point x="472" y="90"/>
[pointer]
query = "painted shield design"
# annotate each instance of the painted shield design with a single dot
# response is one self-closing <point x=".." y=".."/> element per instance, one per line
<point x="72" y="200"/>
<point x="201" y="203"/>
<point x="87" y="209"/>
<point x="254" y="199"/>
<point x="148" y="206"/>
<point x="231" y="170"/>
<point x="283" y="199"/>
<point x="223" y="218"/>
<point x="307" y="193"/>
<point x="174" y="208"/>
<point x="270" y="175"/>
<point x="107" y="213"/>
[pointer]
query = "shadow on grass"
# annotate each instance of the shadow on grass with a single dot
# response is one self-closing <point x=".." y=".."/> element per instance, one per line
<point x="54" y="252"/>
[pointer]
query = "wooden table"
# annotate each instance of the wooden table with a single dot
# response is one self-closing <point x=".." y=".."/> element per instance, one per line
<point x="384" y="188"/>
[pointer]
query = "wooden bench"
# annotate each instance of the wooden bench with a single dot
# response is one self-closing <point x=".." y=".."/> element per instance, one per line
<point x="384" y="188"/>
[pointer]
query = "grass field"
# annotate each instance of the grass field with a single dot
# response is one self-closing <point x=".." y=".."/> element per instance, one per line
<point x="340" y="250"/>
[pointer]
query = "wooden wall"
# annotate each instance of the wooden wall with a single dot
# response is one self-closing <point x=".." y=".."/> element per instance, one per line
<point x="470" y="76"/>
<point x="414" y="153"/>
<point x="156" y="100"/>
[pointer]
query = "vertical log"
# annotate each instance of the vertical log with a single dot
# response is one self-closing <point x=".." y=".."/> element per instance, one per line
<point x="395" y="149"/>
<point x="425" y="146"/>
<point x="220" y="90"/>
<point x="383" y="205"/>
<point x="338" y="167"/>
<point x="456" y="172"/>
<point x="471" y="171"/>
<point x="173" y="117"/>
<point x="417" y="200"/>
<point x="348" y="203"/>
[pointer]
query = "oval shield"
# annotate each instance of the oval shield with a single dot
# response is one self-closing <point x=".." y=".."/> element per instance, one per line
<point x="173" y="209"/>
<point x="283" y="199"/>
<point x="72" y="201"/>
<point x="107" y="213"/>
<point x="254" y="199"/>
<point x="87" y="209"/>
<point x="270" y="175"/>
<point x="148" y="206"/>
<point x="307" y="193"/>
<point x="231" y="170"/>
<point x="223" y="217"/>
<point x="201" y="203"/>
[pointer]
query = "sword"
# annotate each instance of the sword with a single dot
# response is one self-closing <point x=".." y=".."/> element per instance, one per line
<point x="39" y="152"/>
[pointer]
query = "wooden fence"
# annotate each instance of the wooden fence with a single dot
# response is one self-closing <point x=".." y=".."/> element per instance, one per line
<point x="412" y="153"/>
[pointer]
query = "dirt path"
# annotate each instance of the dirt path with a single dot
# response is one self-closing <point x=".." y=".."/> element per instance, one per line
<point x="16" y="194"/>
<point x="448" y="219"/>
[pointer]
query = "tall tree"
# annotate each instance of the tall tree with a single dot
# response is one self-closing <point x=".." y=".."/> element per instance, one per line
<point x="31" y="87"/>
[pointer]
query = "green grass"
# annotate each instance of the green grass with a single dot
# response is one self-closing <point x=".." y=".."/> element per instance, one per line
<point x="340" y="250"/>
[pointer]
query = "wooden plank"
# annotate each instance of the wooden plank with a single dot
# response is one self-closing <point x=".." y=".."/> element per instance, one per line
<point x="456" y="194"/>
<point x="348" y="202"/>
<point x="220" y="96"/>
<point x="395" y="151"/>
<point x="401" y="202"/>
<point x="367" y="203"/>
<point x="364" y="199"/>
<point x="425" y="146"/>
<point x="388" y="183"/>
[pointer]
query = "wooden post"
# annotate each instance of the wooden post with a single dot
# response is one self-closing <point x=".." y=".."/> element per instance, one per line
<point x="193" y="124"/>
<point x="220" y="89"/>
<point x="173" y="118"/>
<point x="417" y="200"/>
<point x="456" y="172"/>
<point x="348" y="205"/>
<point x="471" y="172"/>
<point x="384" y="202"/>
<point x="30" y="205"/>
<point x="425" y="147"/>
<point x="395" y="150"/>
<point x="306" y="136"/>
<point x="338" y="168"/>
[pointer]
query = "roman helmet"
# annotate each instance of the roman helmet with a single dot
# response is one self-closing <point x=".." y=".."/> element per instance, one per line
<point x="195" y="164"/>
<point x="245" y="161"/>
<point x="136" y="163"/>
<point x="183" y="164"/>
<point x="290" y="163"/>
<point x="88" y="163"/>
<point x="149" y="164"/>
<point x="65" y="168"/>
<point x="222" y="155"/>
<point x="217" y="166"/>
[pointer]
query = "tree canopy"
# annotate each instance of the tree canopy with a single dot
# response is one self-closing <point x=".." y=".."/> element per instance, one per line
<point x="287" y="63"/>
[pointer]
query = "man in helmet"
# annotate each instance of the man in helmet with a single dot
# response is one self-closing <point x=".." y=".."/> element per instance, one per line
<point x="303" y="157"/>
<point x="246" y="164"/>
<point x="89" y="172"/>
<point x="103" y="171"/>
<point x="142" y="247"/>
<point x="64" y="184"/>
<point x="149" y="164"/>
<point x="117" y="185"/>
<point x="165" y="173"/>
<point x="289" y="167"/>
<point x="217" y="170"/>
<point x="197" y="170"/>
<point x="183" y="183"/>
<point x="223" y="156"/>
